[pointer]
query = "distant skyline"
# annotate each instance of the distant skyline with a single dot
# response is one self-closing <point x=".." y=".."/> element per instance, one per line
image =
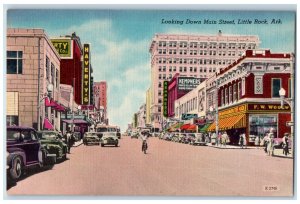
<point x="120" y="41"/>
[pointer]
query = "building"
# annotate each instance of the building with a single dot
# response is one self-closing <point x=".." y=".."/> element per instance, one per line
<point x="148" y="105"/>
<point x="248" y="96"/>
<point x="196" y="56"/>
<point x="141" y="116"/>
<point x="100" y="100"/>
<point x="178" y="86"/>
<point x="33" y="85"/>
<point x="70" y="50"/>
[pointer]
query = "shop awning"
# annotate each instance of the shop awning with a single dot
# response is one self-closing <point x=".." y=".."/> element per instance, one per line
<point x="185" y="126"/>
<point x="204" y="128"/>
<point x="192" y="128"/>
<point x="75" y="121"/>
<point x="59" y="107"/>
<point x="49" y="103"/>
<point x="174" y="127"/>
<point x="47" y="124"/>
<point x="233" y="122"/>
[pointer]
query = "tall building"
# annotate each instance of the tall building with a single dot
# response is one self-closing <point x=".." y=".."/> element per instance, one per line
<point x="196" y="56"/>
<point x="100" y="99"/>
<point x="70" y="50"/>
<point x="33" y="85"/>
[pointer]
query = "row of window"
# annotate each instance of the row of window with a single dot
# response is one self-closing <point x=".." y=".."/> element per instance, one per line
<point x="52" y="74"/>
<point x="194" y="61"/>
<point x="184" y="69"/>
<point x="231" y="94"/>
<point x="200" y="52"/>
<point x="185" y="44"/>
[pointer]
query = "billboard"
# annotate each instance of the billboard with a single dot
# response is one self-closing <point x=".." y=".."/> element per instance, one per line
<point x="165" y="99"/>
<point x="64" y="47"/>
<point x="187" y="83"/>
<point x="86" y="75"/>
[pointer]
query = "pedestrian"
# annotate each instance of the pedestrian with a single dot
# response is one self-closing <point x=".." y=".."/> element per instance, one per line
<point x="265" y="142"/>
<point x="285" y="144"/>
<point x="241" y="141"/>
<point x="270" y="147"/>
<point x="225" y="138"/>
<point x="219" y="139"/>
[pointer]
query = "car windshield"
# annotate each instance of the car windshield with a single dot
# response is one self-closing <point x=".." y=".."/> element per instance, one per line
<point x="109" y="134"/>
<point x="49" y="135"/>
<point x="13" y="134"/>
<point x="90" y="134"/>
<point x="102" y="129"/>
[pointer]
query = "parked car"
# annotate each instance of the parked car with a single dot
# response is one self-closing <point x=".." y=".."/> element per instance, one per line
<point x="190" y="138"/>
<point x="91" y="138"/>
<point x="52" y="141"/>
<point x="199" y="139"/>
<point x="175" y="137"/>
<point x="25" y="151"/>
<point x="109" y="138"/>
<point x="77" y="136"/>
<point x="182" y="137"/>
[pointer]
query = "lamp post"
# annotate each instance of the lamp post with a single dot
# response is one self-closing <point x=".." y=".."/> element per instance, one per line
<point x="289" y="101"/>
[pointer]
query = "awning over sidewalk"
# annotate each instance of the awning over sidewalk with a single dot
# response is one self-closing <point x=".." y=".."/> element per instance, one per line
<point x="59" y="107"/>
<point x="204" y="128"/>
<point x="237" y="121"/>
<point x="185" y="126"/>
<point x="47" y="124"/>
<point x="174" y="127"/>
<point x="75" y="121"/>
<point x="192" y="128"/>
<point x="49" y="103"/>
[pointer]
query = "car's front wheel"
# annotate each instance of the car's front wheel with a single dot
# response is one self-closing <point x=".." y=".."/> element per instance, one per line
<point x="16" y="170"/>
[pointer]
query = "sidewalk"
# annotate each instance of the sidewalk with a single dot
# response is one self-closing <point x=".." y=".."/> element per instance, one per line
<point x="277" y="152"/>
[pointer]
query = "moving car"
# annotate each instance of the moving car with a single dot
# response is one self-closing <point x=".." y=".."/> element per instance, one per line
<point x="109" y="138"/>
<point x="52" y="141"/>
<point x="199" y="139"/>
<point x="77" y="136"/>
<point x="24" y="150"/>
<point x="91" y="138"/>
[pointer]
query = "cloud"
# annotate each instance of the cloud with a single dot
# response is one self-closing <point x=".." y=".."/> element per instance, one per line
<point x="123" y="63"/>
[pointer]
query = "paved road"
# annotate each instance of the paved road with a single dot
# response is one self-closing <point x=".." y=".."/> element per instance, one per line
<point x="169" y="168"/>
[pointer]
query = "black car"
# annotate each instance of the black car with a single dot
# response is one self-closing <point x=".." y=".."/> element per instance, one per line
<point x="24" y="150"/>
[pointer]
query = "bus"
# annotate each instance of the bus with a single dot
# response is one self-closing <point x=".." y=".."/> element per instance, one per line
<point x="108" y="128"/>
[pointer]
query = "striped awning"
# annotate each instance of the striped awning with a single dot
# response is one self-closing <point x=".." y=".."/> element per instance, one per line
<point x="232" y="122"/>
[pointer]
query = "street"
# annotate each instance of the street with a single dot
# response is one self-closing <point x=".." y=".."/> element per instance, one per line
<point x="168" y="169"/>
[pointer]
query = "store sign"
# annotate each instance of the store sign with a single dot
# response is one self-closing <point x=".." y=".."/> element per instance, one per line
<point x="165" y="99"/>
<point x="63" y="47"/>
<point x="268" y="107"/>
<point x="200" y="121"/>
<point x="234" y="110"/>
<point x="188" y="83"/>
<point x="87" y="107"/>
<point x="86" y="75"/>
<point x="188" y="116"/>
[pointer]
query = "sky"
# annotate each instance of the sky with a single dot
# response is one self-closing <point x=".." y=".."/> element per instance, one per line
<point x="120" y="41"/>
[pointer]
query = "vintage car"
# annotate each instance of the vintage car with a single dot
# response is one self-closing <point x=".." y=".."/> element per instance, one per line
<point x="278" y="143"/>
<point x="182" y="137"/>
<point x="109" y="138"/>
<point x="134" y="134"/>
<point x="24" y="150"/>
<point x="53" y="142"/>
<point x="199" y="139"/>
<point x="175" y="137"/>
<point x="91" y="138"/>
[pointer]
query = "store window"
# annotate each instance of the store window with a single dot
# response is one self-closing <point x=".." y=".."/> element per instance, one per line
<point x="276" y="85"/>
<point x="14" y="62"/>
<point x="260" y="125"/>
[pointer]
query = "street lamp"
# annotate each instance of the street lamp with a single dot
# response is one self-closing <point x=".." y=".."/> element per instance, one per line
<point x="289" y="101"/>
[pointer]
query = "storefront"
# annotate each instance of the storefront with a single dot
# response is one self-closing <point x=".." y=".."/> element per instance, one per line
<point x="253" y="119"/>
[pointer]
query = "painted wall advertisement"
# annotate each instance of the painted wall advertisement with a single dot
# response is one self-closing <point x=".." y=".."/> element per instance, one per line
<point x="64" y="47"/>
<point x="188" y="83"/>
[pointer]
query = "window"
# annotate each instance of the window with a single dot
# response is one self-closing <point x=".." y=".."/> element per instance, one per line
<point x="14" y="62"/>
<point x="226" y="96"/>
<point x="230" y="94"/>
<point x="222" y="97"/>
<point x="276" y="85"/>
<point x="234" y="92"/>
<point x="239" y="90"/>
<point x="12" y="120"/>
<point x="159" y="100"/>
<point x="52" y="73"/>
<point x="56" y="79"/>
<point x="47" y="67"/>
